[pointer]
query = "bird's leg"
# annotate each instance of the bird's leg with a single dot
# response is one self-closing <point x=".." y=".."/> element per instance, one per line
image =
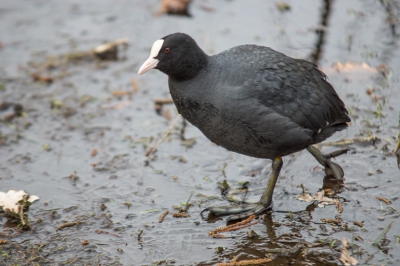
<point x="324" y="159"/>
<point x="265" y="202"/>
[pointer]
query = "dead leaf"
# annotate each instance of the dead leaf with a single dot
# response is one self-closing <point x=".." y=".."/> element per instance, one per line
<point x="167" y="114"/>
<point x="46" y="79"/>
<point x="94" y="152"/>
<point x="121" y="93"/>
<point x="319" y="196"/>
<point x="176" y="7"/>
<point x="351" y="70"/>
<point x="353" y="67"/>
<point x="345" y="257"/>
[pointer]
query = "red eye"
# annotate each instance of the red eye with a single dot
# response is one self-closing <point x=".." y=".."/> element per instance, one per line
<point x="167" y="50"/>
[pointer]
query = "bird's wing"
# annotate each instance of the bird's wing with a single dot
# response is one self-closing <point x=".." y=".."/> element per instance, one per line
<point x="292" y="88"/>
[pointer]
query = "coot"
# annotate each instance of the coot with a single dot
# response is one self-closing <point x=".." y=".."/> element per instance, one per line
<point x="251" y="100"/>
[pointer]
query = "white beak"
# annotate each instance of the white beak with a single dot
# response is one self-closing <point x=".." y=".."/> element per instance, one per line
<point x="149" y="64"/>
<point x="152" y="62"/>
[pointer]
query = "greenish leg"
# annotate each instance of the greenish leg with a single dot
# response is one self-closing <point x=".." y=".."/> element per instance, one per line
<point x="324" y="159"/>
<point x="265" y="202"/>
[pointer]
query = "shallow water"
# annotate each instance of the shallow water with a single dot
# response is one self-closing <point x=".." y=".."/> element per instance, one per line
<point x="39" y="152"/>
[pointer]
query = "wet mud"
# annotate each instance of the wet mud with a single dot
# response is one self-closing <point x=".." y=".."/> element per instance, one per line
<point x="76" y="129"/>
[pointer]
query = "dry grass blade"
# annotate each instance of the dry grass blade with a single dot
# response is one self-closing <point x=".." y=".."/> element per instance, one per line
<point x="155" y="147"/>
<point x="135" y="87"/>
<point x="382" y="235"/>
<point x="233" y="227"/>
<point x="345" y="257"/>
<point x="245" y="262"/>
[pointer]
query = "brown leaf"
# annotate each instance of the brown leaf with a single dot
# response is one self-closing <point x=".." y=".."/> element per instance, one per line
<point x="176" y="7"/>
<point x="46" y="79"/>
<point x="167" y="114"/>
<point x="121" y="93"/>
<point x="94" y="152"/>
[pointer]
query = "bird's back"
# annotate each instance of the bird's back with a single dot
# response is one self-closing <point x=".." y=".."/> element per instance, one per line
<point x="259" y="102"/>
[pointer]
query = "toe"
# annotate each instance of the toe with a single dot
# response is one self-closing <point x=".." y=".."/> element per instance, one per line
<point x="221" y="210"/>
<point x="335" y="170"/>
<point x="256" y="210"/>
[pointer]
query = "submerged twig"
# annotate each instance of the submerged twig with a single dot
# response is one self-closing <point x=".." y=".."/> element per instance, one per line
<point x="233" y="227"/>
<point x="70" y="224"/>
<point x="154" y="148"/>
<point x="106" y="233"/>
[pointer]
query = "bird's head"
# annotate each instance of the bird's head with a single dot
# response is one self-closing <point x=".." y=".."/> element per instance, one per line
<point x="177" y="55"/>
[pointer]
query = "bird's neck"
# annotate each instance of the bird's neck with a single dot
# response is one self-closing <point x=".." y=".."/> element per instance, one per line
<point x="189" y="67"/>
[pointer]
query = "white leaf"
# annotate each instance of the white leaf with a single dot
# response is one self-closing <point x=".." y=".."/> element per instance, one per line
<point x="9" y="200"/>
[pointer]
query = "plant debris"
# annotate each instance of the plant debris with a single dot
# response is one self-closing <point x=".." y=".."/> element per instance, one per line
<point x="384" y="200"/>
<point x="360" y="224"/>
<point x="234" y="262"/>
<point x="345" y="257"/>
<point x="362" y="141"/>
<point x="283" y="6"/>
<point x="162" y="216"/>
<point x="109" y="51"/>
<point x="318" y="197"/>
<point x="180" y="215"/>
<point x="150" y="152"/>
<point x="382" y="236"/>
<point x="41" y="78"/>
<point x="11" y="203"/>
<point x="106" y="233"/>
<point x="70" y="224"/>
<point x="174" y="7"/>
<point x="233" y="227"/>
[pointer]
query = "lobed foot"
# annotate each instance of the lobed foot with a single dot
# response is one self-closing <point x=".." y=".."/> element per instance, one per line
<point x="247" y="209"/>
<point x="239" y="212"/>
<point x="331" y="168"/>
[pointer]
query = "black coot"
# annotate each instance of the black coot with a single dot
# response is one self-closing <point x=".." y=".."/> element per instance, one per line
<point x="251" y="100"/>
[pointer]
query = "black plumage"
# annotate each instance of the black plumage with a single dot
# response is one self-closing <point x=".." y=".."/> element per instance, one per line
<point x="251" y="99"/>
